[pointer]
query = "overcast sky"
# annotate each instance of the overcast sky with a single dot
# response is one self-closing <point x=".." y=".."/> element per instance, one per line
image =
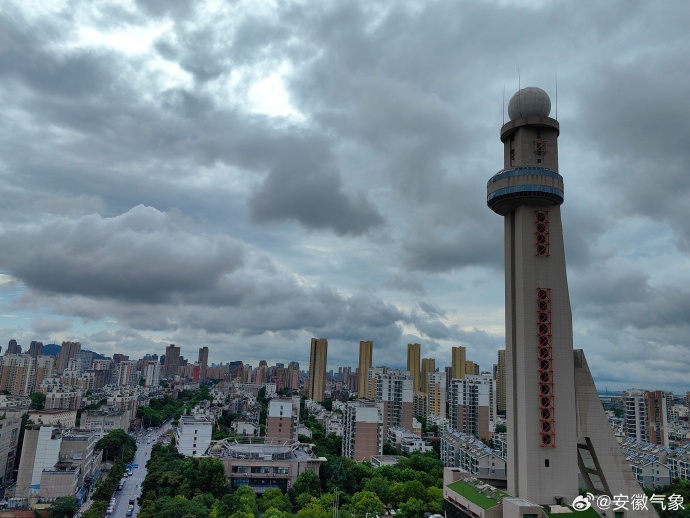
<point x="248" y="175"/>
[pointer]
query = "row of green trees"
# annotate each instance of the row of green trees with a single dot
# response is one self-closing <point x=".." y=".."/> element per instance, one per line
<point x="119" y="448"/>
<point x="161" y="409"/>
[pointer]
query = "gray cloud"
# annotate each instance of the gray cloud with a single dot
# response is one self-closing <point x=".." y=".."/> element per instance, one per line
<point x="142" y="255"/>
<point x="301" y="171"/>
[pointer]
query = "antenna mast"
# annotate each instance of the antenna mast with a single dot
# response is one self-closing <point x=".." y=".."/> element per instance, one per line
<point x="519" y="88"/>
<point x="555" y="73"/>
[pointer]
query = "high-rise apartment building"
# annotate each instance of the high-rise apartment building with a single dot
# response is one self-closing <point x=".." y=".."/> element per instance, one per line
<point x="203" y="362"/>
<point x="366" y="355"/>
<point x="317" y="369"/>
<point x="152" y="373"/>
<point x="68" y="350"/>
<point x="436" y="406"/>
<point x="13" y="347"/>
<point x="471" y="368"/>
<point x="646" y="416"/>
<point x="556" y="424"/>
<point x="172" y="361"/>
<point x="428" y="366"/>
<point x="362" y="430"/>
<point x="394" y="388"/>
<point x="127" y="375"/>
<point x="35" y="349"/>
<point x="472" y="405"/>
<point x="45" y="367"/>
<point x="501" y="382"/>
<point x="414" y="354"/>
<point x="458" y="359"/>
<point x="18" y="374"/>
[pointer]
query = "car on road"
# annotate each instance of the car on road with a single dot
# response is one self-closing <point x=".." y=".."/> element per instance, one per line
<point x="130" y="510"/>
<point x="131" y="501"/>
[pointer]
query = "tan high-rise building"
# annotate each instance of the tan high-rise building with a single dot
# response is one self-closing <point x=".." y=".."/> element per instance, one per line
<point x="428" y="366"/>
<point x="203" y="362"/>
<point x="414" y="354"/>
<point x="366" y="354"/>
<point x="501" y="382"/>
<point x="437" y="395"/>
<point x="317" y="369"/>
<point x="471" y="368"/>
<point x="459" y="357"/>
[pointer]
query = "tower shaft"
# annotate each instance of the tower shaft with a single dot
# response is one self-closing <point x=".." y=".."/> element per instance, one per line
<point x="541" y="425"/>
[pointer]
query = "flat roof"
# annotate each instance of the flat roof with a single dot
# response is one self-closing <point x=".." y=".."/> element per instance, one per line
<point x="485" y="500"/>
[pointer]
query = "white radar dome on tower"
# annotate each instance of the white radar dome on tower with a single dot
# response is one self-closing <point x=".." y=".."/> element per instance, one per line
<point x="529" y="101"/>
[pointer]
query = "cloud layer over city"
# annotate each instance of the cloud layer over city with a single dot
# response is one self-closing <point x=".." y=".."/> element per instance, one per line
<point x="248" y="175"/>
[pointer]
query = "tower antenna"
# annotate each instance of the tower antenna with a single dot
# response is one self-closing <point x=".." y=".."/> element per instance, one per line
<point x="503" y="111"/>
<point x="555" y="73"/>
<point x="519" y="88"/>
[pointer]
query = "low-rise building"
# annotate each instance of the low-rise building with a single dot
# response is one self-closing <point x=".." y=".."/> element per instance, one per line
<point x="282" y="418"/>
<point x="262" y="466"/>
<point x="65" y="418"/>
<point x="40" y="450"/>
<point x="193" y="435"/>
<point x="67" y="398"/>
<point x="102" y="422"/>
<point x="466" y="452"/>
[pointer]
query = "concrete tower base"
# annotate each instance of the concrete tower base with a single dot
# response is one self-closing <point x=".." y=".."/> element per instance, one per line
<point x="602" y="464"/>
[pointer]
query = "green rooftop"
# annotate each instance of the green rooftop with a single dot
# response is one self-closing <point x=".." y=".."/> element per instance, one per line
<point x="589" y="513"/>
<point x="482" y="499"/>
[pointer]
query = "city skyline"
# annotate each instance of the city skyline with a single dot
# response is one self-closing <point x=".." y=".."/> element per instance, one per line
<point x="247" y="177"/>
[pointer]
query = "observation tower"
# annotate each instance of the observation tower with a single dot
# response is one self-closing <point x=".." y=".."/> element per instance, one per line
<point x="528" y="192"/>
<point x="559" y="438"/>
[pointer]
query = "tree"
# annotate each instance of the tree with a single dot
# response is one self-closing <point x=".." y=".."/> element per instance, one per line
<point x="380" y="487"/>
<point x="117" y="445"/>
<point x="244" y="500"/>
<point x="413" y="508"/>
<point x="64" y="507"/>
<point x="312" y="509"/>
<point x="307" y="483"/>
<point x="211" y="477"/>
<point x="501" y="428"/>
<point x="272" y="512"/>
<point x="96" y="510"/>
<point x="38" y="401"/>
<point x="366" y="503"/>
<point x="415" y="489"/>
<point x="180" y="507"/>
<point x="274" y="498"/>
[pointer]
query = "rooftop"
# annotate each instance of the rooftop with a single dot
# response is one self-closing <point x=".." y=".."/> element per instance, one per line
<point x="483" y="495"/>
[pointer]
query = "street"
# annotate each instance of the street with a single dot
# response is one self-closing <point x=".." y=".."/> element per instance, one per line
<point x="132" y="486"/>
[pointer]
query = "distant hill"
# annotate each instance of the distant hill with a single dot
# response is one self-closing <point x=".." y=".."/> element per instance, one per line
<point x="51" y="349"/>
<point x="54" y="350"/>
